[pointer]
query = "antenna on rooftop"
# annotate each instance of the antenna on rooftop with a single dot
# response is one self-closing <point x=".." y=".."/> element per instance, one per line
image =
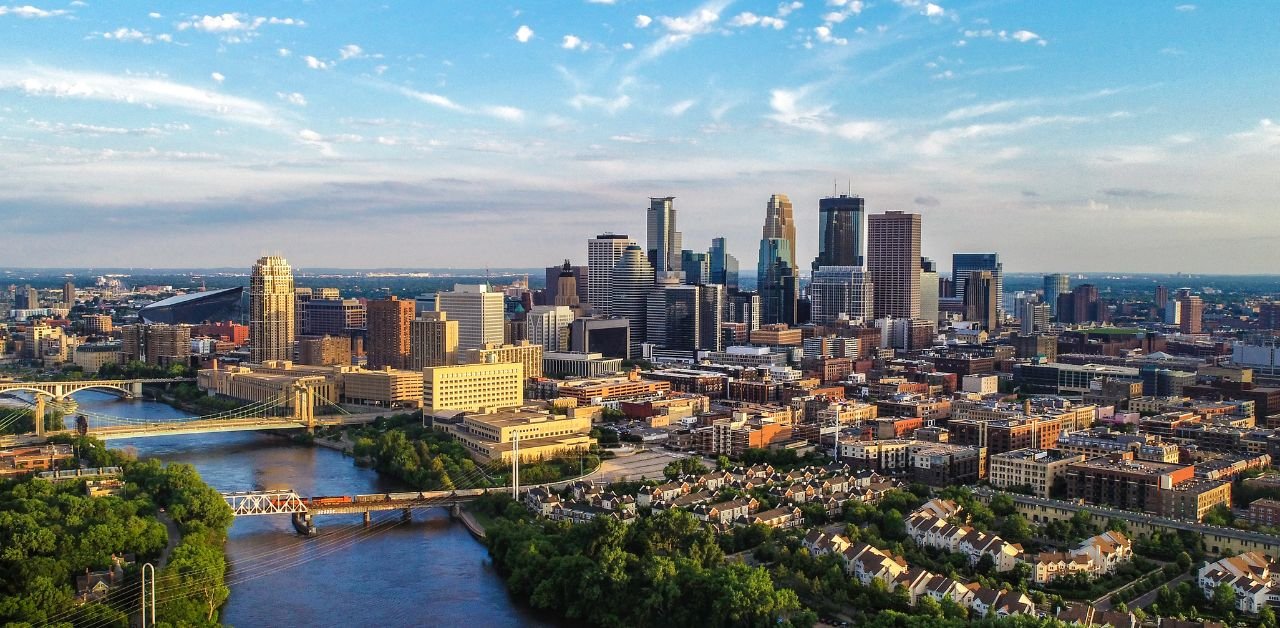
<point x="834" y="184"/>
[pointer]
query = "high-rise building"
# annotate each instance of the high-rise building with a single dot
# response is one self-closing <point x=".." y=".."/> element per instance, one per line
<point x="841" y="293"/>
<point x="301" y="296"/>
<point x="744" y="307"/>
<point x="335" y="317"/>
<point x="271" y="310"/>
<point x="893" y="259"/>
<point x="472" y="386"/>
<point x="711" y="318"/>
<point x="928" y="290"/>
<point x="603" y="253"/>
<point x="1034" y="317"/>
<point x="964" y="264"/>
<point x="96" y="324"/>
<point x="696" y="267"/>
<point x="479" y="312"/>
<point x="157" y="345"/>
<point x="324" y="351"/>
<point x="777" y="278"/>
<point x="433" y="341"/>
<point x="1162" y="299"/>
<point x="548" y="325"/>
<point x="842" y="232"/>
<point x="724" y="267"/>
<point x="1191" y="312"/>
<point x="980" y="297"/>
<point x="672" y="317"/>
<point x="524" y="352"/>
<point x="69" y="295"/>
<point x="1082" y="305"/>
<point x="26" y="299"/>
<point x="581" y="283"/>
<point x="632" y="279"/>
<point x="1055" y="285"/>
<point x="664" y="241"/>
<point x="610" y="337"/>
<point x="387" y="339"/>
<point x="1269" y="315"/>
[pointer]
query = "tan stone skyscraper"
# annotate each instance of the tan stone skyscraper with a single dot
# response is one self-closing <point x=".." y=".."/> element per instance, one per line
<point x="779" y="223"/>
<point x="271" y="310"/>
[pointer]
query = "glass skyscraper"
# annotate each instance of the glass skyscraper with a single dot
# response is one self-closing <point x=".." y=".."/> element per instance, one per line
<point x="962" y="264"/>
<point x="842" y="232"/>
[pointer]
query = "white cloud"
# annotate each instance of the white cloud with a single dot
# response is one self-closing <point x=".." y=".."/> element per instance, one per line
<point x="155" y="16"/>
<point x="524" y="34"/>
<point x="747" y="19"/>
<point x="235" y="27"/>
<point x="825" y="36"/>
<point x="135" y="90"/>
<point x="682" y="29"/>
<point x="433" y="99"/>
<point x="350" y="51"/>
<point x="679" y="108"/>
<point x="611" y="106"/>
<point x="218" y="77"/>
<point x="1185" y="8"/>
<point x="27" y="11"/>
<point x="789" y="109"/>
<point x="317" y="64"/>
<point x="293" y="98"/>
<point x="643" y="21"/>
<point x="572" y="42"/>
<point x="1025" y="36"/>
<point x="601" y="1"/>
<point x="933" y="10"/>
<point x="786" y="8"/>
<point x="1022" y="36"/>
<point x="284" y="52"/>
<point x="939" y="141"/>
<point x="501" y="112"/>
<point x="977" y="111"/>
<point x="1265" y="136"/>
<point x="628" y="46"/>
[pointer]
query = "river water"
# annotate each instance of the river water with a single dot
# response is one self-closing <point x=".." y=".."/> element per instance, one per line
<point x="427" y="572"/>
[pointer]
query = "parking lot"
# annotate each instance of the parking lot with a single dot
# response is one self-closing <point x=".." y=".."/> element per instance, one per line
<point x="641" y="465"/>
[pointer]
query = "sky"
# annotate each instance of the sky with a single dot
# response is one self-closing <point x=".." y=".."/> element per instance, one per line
<point x="1067" y="136"/>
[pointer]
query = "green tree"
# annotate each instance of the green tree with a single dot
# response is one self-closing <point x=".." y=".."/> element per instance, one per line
<point x="1224" y="598"/>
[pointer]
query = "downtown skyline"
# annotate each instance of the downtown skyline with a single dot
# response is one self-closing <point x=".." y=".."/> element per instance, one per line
<point x="446" y="136"/>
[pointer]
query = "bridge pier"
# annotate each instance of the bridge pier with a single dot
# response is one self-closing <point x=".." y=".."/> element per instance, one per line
<point x="368" y="518"/>
<point x="39" y="416"/>
<point x="135" y="390"/>
<point x="406" y="514"/>
<point x="303" y="523"/>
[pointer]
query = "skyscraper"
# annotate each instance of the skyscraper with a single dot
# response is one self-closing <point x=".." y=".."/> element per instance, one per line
<point x="581" y="280"/>
<point x="724" y="267"/>
<point x="69" y="295"/>
<point x="479" y="312"/>
<point x="842" y="232"/>
<point x="549" y="326"/>
<point x="630" y="285"/>
<point x="776" y="275"/>
<point x="387" y="339"/>
<point x="1191" y="312"/>
<point x="928" y="289"/>
<point x="841" y="292"/>
<point x="696" y="267"/>
<point x="1082" y="305"/>
<point x="1162" y="299"/>
<point x="603" y="253"/>
<point x="711" y="317"/>
<point x="664" y="241"/>
<point x="271" y="310"/>
<point x="963" y="265"/>
<point x="980" y="297"/>
<point x="1055" y="285"/>
<point x="567" y="285"/>
<point x="1034" y="317"/>
<point x="893" y="260"/>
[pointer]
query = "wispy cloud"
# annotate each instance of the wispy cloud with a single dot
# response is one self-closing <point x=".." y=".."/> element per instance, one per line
<point x="134" y="90"/>
<point x="680" y="30"/>
<point x="501" y="112"/>
<point x="28" y="12"/>
<point x="293" y="98"/>
<point x="790" y="108"/>
<point x="941" y="140"/>
<point x="1184" y="8"/>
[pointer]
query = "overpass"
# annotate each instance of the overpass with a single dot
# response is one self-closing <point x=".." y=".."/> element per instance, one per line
<point x="303" y="509"/>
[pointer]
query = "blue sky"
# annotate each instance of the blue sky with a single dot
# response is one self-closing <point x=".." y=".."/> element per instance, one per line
<point x="1068" y="136"/>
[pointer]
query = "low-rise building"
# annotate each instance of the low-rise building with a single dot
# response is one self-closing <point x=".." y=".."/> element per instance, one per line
<point x="537" y="433"/>
<point x="1036" y="469"/>
<point x="388" y="387"/>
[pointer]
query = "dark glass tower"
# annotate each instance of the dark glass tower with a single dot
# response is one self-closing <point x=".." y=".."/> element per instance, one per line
<point x="842" y="232"/>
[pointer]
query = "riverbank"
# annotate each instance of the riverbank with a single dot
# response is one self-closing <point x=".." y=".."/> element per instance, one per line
<point x="474" y="526"/>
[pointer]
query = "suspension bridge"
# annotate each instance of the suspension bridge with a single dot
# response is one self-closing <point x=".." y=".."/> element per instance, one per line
<point x="292" y="409"/>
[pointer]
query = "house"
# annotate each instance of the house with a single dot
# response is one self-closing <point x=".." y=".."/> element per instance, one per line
<point x="1049" y="566"/>
<point x="541" y="501"/>
<point x="1253" y="576"/>
<point x="941" y="508"/>
<point x="96" y="585"/>
<point x="914" y="581"/>
<point x="820" y="543"/>
<point x="613" y="501"/>
<point x="865" y="562"/>
<point x="1108" y="550"/>
<point x="661" y="493"/>
<point x="783" y="517"/>
<point x="941" y="587"/>
<point x="1086" y="615"/>
<point x="1094" y="556"/>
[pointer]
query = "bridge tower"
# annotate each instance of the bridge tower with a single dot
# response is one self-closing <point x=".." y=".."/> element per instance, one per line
<point x="135" y="390"/>
<point x="39" y="416"/>
<point x="303" y="405"/>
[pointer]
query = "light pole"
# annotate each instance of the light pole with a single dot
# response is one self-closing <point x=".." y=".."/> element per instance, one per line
<point x="148" y="594"/>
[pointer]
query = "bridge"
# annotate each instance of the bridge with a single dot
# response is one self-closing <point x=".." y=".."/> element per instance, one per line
<point x="127" y="388"/>
<point x="303" y="509"/>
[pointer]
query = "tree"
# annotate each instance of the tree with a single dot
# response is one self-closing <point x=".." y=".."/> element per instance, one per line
<point x="1224" y="598"/>
<point x="1003" y="505"/>
<point x="1016" y="528"/>
<point x="928" y="607"/>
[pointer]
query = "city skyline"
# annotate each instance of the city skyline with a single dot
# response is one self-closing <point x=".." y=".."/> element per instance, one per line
<point x="505" y="137"/>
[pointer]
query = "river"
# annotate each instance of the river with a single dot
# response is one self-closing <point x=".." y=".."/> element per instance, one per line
<point x="426" y="572"/>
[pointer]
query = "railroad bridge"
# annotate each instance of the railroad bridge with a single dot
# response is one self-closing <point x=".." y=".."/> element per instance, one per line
<point x="304" y="509"/>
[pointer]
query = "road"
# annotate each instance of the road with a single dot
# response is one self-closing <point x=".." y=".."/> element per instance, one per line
<point x="1147" y="598"/>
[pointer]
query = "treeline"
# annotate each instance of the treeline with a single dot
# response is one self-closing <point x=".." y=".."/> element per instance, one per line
<point x="22" y="421"/>
<point x="51" y="533"/>
<point x="667" y="569"/>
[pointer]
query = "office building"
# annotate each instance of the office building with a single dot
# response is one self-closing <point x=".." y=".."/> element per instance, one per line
<point x="387" y="339"/>
<point x="1162" y="300"/>
<point x="68" y="295"/>
<point x="479" y="312"/>
<point x="673" y="317"/>
<point x="777" y="278"/>
<point x="724" y="267"/>
<point x="324" y="351"/>
<point x="574" y="364"/>
<point x="548" y="325"/>
<point x="928" y="290"/>
<point x="472" y="387"/>
<point x="335" y="317"/>
<point x="534" y="433"/>
<point x="567" y="285"/>
<point x="1034" y="317"/>
<point x="1191" y="312"/>
<point x="301" y="297"/>
<point x="632" y="280"/>
<point x="1082" y="305"/>
<point x="664" y="242"/>
<point x="712" y="304"/>
<point x="964" y="264"/>
<point x="610" y="337"/>
<point x="981" y="293"/>
<point x="525" y="353"/>
<point x="1269" y="315"/>
<point x="271" y="310"/>
<point x="840" y="293"/>
<point x="603" y="253"/>
<point x="1055" y="285"/>
<point x="893" y="260"/>
<point x="842" y="232"/>
<point x="433" y="341"/>
<point x="387" y="387"/>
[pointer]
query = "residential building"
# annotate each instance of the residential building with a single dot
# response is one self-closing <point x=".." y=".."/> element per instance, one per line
<point x="387" y="341"/>
<point x="324" y="351"/>
<point x="841" y="293"/>
<point x="928" y="290"/>
<point x="893" y="260"/>
<point x="479" y="312"/>
<point x="1034" y="469"/>
<point x="157" y="344"/>
<point x="433" y="340"/>
<point x="548" y="325"/>
<point x="724" y="267"/>
<point x="1253" y="577"/>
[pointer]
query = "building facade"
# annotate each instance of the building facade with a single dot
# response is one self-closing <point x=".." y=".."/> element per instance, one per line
<point x="271" y="310"/>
